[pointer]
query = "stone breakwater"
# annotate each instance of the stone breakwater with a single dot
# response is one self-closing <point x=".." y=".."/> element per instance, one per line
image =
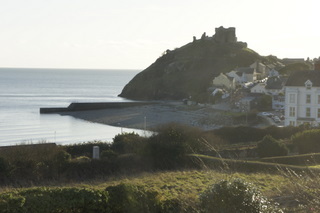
<point x="73" y="107"/>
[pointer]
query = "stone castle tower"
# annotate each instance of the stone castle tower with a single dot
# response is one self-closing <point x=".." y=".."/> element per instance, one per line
<point x="225" y="35"/>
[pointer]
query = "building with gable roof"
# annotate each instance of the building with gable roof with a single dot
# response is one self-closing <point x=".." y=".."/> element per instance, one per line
<point x="302" y="98"/>
<point x="224" y="81"/>
<point x="275" y="85"/>
<point x="260" y="70"/>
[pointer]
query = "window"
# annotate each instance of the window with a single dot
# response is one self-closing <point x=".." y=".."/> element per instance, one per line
<point x="318" y="112"/>
<point x="308" y="99"/>
<point x="292" y="111"/>
<point x="308" y="84"/>
<point x="308" y="112"/>
<point x="292" y="98"/>
<point x="318" y="99"/>
<point x="292" y="123"/>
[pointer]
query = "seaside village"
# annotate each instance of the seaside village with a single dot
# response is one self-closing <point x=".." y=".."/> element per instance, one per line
<point x="294" y="99"/>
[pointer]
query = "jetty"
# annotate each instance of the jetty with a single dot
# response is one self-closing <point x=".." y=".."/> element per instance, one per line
<point x="93" y="106"/>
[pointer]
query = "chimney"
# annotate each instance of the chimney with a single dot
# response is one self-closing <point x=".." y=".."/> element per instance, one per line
<point x="317" y="65"/>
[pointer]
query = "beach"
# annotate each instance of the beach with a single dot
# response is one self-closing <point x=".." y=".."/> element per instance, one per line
<point x="148" y="117"/>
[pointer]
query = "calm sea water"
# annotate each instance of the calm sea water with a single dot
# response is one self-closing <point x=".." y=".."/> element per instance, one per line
<point x="24" y="91"/>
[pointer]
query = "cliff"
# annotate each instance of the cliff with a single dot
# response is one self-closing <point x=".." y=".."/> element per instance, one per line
<point x="189" y="70"/>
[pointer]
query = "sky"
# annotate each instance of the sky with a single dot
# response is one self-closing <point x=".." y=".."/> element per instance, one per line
<point x="127" y="34"/>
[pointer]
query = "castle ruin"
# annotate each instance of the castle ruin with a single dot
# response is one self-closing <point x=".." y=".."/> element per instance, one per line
<point x="225" y="35"/>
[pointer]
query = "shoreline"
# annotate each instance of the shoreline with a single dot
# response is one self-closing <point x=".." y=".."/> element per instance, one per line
<point x="149" y="116"/>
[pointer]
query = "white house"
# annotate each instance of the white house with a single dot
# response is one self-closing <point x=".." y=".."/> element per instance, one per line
<point x="259" y="88"/>
<point x="224" y="81"/>
<point x="273" y="73"/>
<point x="234" y="74"/>
<point x="243" y="75"/>
<point x="302" y="98"/>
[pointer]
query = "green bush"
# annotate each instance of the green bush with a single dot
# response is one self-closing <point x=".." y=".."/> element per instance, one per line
<point x="4" y="168"/>
<point x="12" y="203"/>
<point x="241" y="134"/>
<point x="47" y="200"/>
<point x="109" y="155"/>
<point x="270" y="147"/>
<point x="127" y="143"/>
<point x="235" y="196"/>
<point x="126" y="198"/>
<point x="85" y="149"/>
<point x="168" y="148"/>
<point x="34" y="162"/>
<point x="307" y="141"/>
<point x="264" y="103"/>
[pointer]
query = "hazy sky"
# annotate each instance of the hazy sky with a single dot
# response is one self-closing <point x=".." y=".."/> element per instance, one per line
<point x="132" y="34"/>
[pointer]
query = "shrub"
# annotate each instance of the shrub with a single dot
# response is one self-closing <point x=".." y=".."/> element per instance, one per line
<point x="109" y="155"/>
<point x="250" y="134"/>
<point x="85" y="149"/>
<point x="4" y="168"/>
<point x="307" y="141"/>
<point x="264" y="103"/>
<point x="127" y="143"/>
<point x="54" y="200"/>
<point x="81" y="159"/>
<point x="270" y="147"/>
<point x="167" y="149"/>
<point x="10" y="202"/>
<point x="132" y="199"/>
<point x="235" y="196"/>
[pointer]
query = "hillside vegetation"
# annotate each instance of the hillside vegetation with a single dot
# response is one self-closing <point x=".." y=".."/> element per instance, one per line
<point x="288" y="69"/>
<point x="178" y="169"/>
<point x="188" y="70"/>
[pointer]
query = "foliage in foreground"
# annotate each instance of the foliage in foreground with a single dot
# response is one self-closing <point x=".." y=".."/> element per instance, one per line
<point x="307" y="141"/>
<point x="48" y="200"/>
<point x="235" y="196"/>
<point x="225" y="196"/>
<point x="270" y="147"/>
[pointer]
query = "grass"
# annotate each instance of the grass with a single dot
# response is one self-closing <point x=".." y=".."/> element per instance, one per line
<point x="186" y="185"/>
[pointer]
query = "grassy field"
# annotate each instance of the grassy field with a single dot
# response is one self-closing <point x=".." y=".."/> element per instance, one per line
<point x="286" y="188"/>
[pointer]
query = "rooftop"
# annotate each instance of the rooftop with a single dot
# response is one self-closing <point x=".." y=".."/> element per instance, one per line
<point x="299" y="78"/>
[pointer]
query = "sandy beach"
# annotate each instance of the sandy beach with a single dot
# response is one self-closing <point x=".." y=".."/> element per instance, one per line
<point x="150" y="116"/>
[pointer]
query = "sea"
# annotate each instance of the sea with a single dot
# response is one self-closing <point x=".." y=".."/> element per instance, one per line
<point x="24" y="91"/>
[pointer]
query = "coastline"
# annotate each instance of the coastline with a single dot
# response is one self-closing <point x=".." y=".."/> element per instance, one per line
<point x="148" y="117"/>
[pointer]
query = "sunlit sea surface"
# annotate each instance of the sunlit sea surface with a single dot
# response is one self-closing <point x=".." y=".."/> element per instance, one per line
<point x="24" y="91"/>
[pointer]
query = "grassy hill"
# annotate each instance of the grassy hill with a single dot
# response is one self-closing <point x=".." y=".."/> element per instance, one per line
<point x="188" y="70"/>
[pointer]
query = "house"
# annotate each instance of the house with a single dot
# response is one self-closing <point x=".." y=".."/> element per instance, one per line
<point x="275" y="85"/>
<point x="259" y="88"/>
<point x="243" y="75"/>
<point x="302" y="98"/>
<point x="260" y="70"/>
<point x="237" y="76"/>
<point x="273" y="73"/>
<point x="224" y="81"/>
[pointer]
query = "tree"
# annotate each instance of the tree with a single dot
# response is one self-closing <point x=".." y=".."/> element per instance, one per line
<point x="270" y="147"/>
<point x="265" y="103"/>
<point x="127" y="143"/>
<point x="167" y="148"/>
<point x="307" y="141"/>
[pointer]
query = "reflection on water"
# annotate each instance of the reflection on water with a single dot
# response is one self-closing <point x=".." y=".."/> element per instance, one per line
<point x="24" y="91"/>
